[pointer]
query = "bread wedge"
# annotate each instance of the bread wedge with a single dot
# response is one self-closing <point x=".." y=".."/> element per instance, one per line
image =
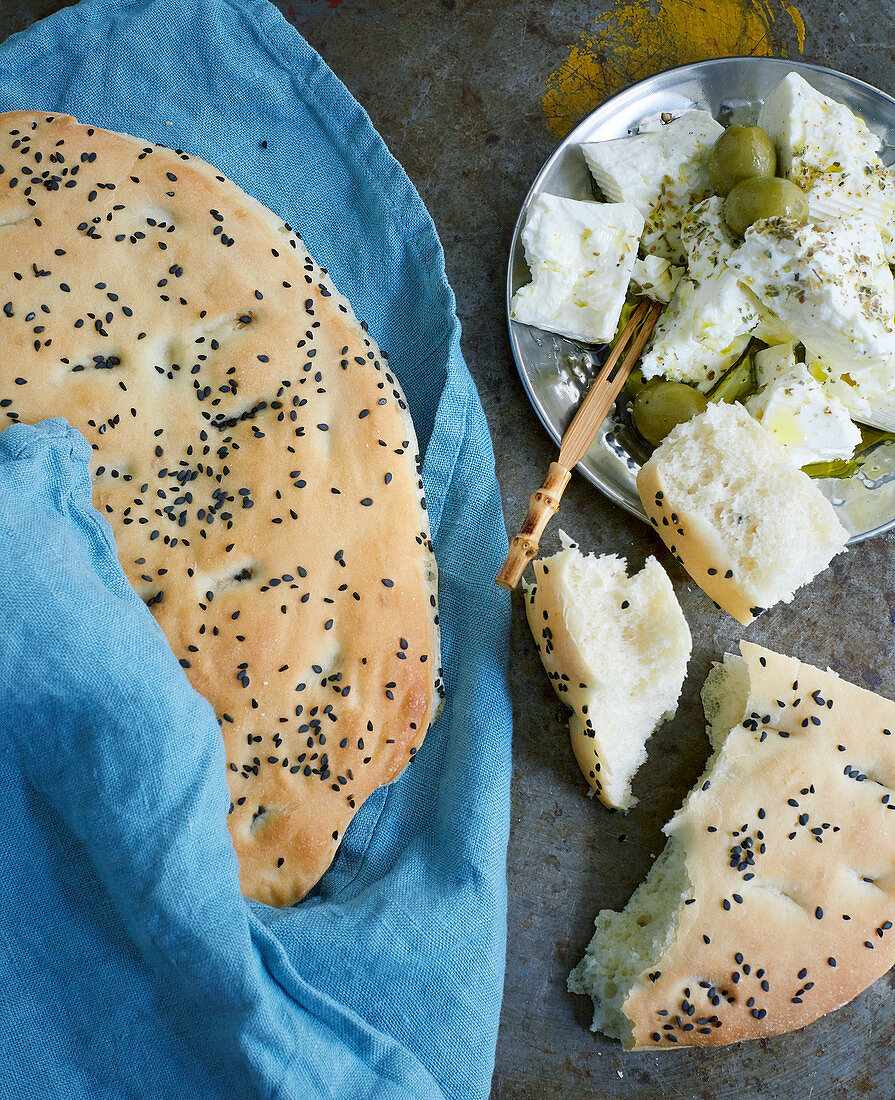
<point x="748" y="526"/>
<point x="774" y="900"/>
<point x="616" y="649"/>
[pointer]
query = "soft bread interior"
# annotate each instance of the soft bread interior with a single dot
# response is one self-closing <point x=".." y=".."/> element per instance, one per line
<point x="626" y="944"/>
<point x="748" y="526"/>
<point x="629" y="943"/>
<point x="616" y="649"/>
<point x="724" y="467"/>
<point x="725" y="695"/>
<point x="774" y="900"/>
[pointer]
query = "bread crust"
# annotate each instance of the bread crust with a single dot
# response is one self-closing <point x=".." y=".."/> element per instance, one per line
<point x="612" y="713"/>
<point x="255" y="457"/>
<point x="696" y="546"/>
<point x="744" y="584"/>
<point x="789" y="841"/>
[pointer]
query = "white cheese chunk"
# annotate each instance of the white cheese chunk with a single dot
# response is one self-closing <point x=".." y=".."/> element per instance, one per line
<point x="831" y="288"/>
<point x="580" y="255"/>
<point x="661" y="172"/>
<point x="832" y="155"/>
<point x="810" y="425"/>
<point x="771" y="329"/>
<point x="775" y="363"/>
<point x="655" y="277"/>
<point x="706" y="237"/>
<point x="869" y="194"/>
<point x="703" y="331"/>
<point x="709" y="244"/>
<point x="706" y="325"/>
<point x="813" y="133"/>
<point x="877" y="411"/>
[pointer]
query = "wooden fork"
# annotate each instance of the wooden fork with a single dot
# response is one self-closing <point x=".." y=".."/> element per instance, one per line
<point x="578" y="437"/>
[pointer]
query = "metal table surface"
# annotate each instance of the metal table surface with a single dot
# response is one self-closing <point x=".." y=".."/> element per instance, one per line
<point x="471" y="96"/>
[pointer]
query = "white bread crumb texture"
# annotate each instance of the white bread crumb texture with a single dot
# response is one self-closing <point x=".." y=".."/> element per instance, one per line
<point x="748" y="526"/>
<point x="774" y="901"/>
<point x="615" y="649"/>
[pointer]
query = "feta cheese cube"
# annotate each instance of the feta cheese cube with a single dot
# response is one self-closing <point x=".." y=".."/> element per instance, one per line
<point x="813" y="133"/>
<point x="706" y="237"/>
<point x="656" y="278"/>
<point x="703" y="331"/>
<point x="831" y="288"/>
<point x="810" y="425"/>
<point x="868" y="194"/>
<point x="877" y="411"/>
<point x="774" y="363"/>
<point x="832" y="155"/>
<point x="580" y="255"/>
<point x="770" y="329"/>
<point x="706" y="325"/>
<point x="661" y="172"/>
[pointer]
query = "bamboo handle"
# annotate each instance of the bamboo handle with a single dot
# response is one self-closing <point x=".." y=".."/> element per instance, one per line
<point x="579" y="435"/>
<point x="608" y="384"/>
<point x="543" y="505"/>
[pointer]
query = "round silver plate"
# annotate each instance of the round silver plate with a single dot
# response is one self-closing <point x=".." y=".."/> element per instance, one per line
<point x="556" y="371"/>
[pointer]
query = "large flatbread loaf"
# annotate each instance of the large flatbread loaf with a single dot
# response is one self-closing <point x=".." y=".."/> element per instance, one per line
<point x="254" y="455"/>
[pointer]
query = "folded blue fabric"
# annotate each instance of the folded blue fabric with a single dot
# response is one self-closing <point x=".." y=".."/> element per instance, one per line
<point x="132" y="965"/>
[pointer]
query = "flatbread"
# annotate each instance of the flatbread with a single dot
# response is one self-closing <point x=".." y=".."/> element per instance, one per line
<point x="774" y="899"/>
<point x="254" y="455"/>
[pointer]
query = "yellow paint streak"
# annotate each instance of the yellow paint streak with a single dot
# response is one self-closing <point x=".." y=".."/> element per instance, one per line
<point x="798" y="22"/>
<point x="638" y="38"/>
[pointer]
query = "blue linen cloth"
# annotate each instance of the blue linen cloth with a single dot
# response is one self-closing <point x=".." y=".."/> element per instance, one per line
<point x="132" y="966"/>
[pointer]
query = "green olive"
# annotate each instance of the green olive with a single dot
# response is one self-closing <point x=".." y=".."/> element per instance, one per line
<point x="755" y="199"/>
<point x="635" y="382"/>
<point x="740" y="153"/>
<point x="661" y="406"/>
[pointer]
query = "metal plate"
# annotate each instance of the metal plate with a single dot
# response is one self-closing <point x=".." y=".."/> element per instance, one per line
<point x="556" y="371"/>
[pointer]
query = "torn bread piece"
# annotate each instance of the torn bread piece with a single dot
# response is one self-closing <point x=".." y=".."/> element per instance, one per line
<point x="616" y="649"/>
<point x="748" y="526"/>
<point x="774" y="900"/>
